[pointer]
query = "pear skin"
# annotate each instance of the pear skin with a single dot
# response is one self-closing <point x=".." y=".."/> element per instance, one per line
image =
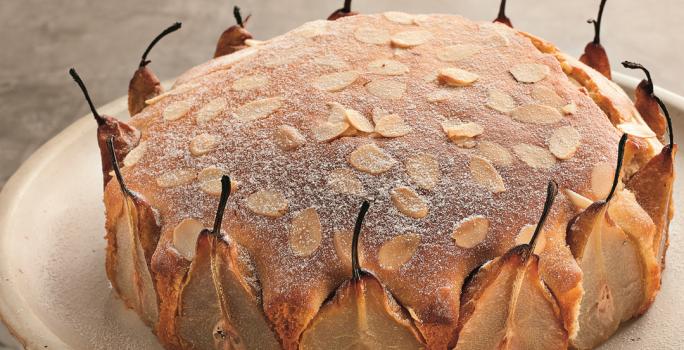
<point x="233" y="39"/>
<point x="125" y="136"/>
<point x="345" y="11"/>
<point x="595" y="55"/>
<point x="646" y="103"/>
<point x="143" y="86"/>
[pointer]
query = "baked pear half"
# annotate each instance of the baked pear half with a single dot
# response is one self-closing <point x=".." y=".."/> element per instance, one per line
<point x="612" y="241"/>
<point x="362" y="314"/>
<point x="135" y="234"/>
<point x="506" y="305"/>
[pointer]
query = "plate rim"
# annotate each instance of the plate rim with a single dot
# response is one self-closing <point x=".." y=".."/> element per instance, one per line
<point x="23" y="324"/>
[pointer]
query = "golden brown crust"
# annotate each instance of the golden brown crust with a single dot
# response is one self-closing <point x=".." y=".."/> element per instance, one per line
<point x="295" y="80"/>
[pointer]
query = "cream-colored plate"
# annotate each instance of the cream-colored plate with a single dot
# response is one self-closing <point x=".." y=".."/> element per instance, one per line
<point x="53" y="289"/>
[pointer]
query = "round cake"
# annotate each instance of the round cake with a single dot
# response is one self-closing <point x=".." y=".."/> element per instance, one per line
<point x="450" y="131"/>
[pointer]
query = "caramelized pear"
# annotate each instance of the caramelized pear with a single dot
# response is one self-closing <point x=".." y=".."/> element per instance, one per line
<point x="135" y="239"/>
<point x="233" y="39"/>
<point x="646" y="103"/>
<point x="362" y="314"/>
<point x="125" y="137"/>
<point x="343" y="12"/>
<point x="611" y="241"/>
<point x="145" y="85"/>
<point x="652" y="187"/>
<point x="506" y="305"/>
<point x="501" y="17"/>
<point x="594" y="54"/>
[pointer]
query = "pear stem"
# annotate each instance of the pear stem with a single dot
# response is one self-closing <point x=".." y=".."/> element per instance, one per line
<point x="174" y="27"/>
<point x="551" y="192"/>
<point x="238" y="16"/>
<point x="667" y="117"/>
<point x="634" y="65"/>
<point x="77" y="79"/>
<point x="225" y="193"/>
<point x="618" y="168"/>
<point x="502" y="11"/>
<point x="597" y="23"/>
<point x="347" y="6"/>
<point x="356" y="266"/>
<point x="115" y="166"/>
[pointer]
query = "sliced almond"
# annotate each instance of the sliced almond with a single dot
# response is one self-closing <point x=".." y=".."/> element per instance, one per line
<point x="358" y="121"/>
<point x="185" y="237"/>
<point x="258" y="109"/>
<point x="203" y="144"/>
<point x="328" y="131"/>
<point x="313" y="29"/>
<point x="175" y="91"/>
<point x="635" y="129"/>
<point x="424" y="170"/>
<point x="456" y="77"/>
<point x="343" y="242"/>
<point x="176" y="177"/>
<point x="579" y="201"/>
<point x="386" y="88"/>
<point x="378" y="113"/>
<point x="176" y="110"/>
<point x="134" y="156"/>
<point x="211" y="110"/>
<point x="344" y="181"/>
<point x="372" y="35"/>
<point x="210" y="181"/>
<point x="525" y="236"/>
<point x="411" y="38"/>
<point x="397" y="251"/>
<point x="398" y="17"/>
<point x="486" y="175"/>
<point x="305" y="235"/>
<point x="288" y="138"/>
<point x="331" y="61"/>
<point x="602" y="180"/>
<point x="470" y="231"/>
<point x="336" y="81"/>
<point x="439" y="96"/>
<point x="252" y="42"/>
<point x="283" y="58"/>
<point x="267" y="203"/>
<point x="392" y="125"/>
<point x="530" y="72"/>
<point x="500" y="101"/>
<point x="387" y="67"/>
<point x="570" y="108"/>
<point x="460" y="133"/>
<point x="371" y="159"/>
<point x="455" y="53"/>
<point x="564" y="142"/>
<point x="250" y="82"/>
<point x="496" y="153"/>
<point x="408" y="202"/>
<point x="546" y="96"/>
<point x="338" y="113"/>
<point x="534" y="156"/>
<point x="536" y="114"/>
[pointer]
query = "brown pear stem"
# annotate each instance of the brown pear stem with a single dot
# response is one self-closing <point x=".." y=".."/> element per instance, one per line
<point x="347" y="6"/>
<point x="634" y="65"/>
<point x="77" y="79"/>
<point x="551" y="192"/>
<point x="115" y="164"/>
<point x="502" y="11"/>
<point x="618" y="168"/>
<point x="356" y="266"/>
<point x="667" y="117"/>
<point x="225" y="193"/>
<point x="174" y="27"/>
<point x="238" y="16"/>
<point x="597" y="23"/>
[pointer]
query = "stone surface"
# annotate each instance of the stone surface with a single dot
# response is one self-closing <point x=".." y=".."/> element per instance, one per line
<point x="103" y="40"/>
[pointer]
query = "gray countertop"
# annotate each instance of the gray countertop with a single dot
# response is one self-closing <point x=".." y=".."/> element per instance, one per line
<point x="40" y="40"/>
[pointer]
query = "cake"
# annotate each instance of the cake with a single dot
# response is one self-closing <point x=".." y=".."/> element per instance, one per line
<point x="453" y="137"/>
